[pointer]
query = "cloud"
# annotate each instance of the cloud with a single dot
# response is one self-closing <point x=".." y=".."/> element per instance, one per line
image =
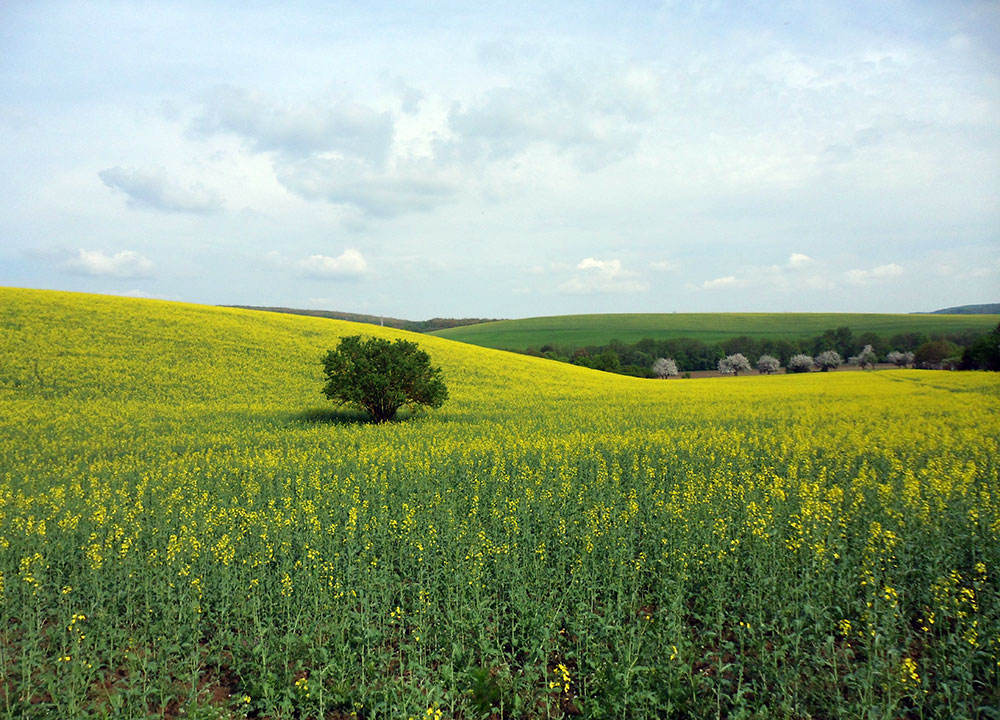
<point x="727" y="281"/>
<point x="350" y="263"/>
<point x="882" y="272"/>
<point x="151" y="188"/>
<point x="345" y="128"/>
<point x="408" y="187"/>
<point x="343" y="153"/>
<point x="409" y="96"/>
<point x="785" y="277"/>
<point x="664" y="266"/>
<point x="593" y="116"/>
<point x="124" y="264"/>
<point x="603" y="276"/>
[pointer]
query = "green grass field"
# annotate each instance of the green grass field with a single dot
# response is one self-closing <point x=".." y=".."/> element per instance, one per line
<point x="188" y="529"/>
<point x="583" y="330"/>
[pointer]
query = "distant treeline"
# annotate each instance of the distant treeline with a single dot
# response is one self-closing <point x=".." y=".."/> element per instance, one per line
<point x="966" y="350"/>
<point x="420" y="326"/>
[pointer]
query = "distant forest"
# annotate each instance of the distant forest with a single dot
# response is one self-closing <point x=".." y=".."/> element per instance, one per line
<point x="968" y="350"/>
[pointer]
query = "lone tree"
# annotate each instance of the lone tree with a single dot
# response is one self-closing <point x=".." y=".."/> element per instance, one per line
<point x="767" y="364"/>
<point x="665" y="367"/>
<point x="828" y="359"/>
<point x="865" y="358"/>
<point x="902" y="359"/>
<point x="381" y="376"/>
<point x="800" y="363"/>
<point x="732" y="364"/>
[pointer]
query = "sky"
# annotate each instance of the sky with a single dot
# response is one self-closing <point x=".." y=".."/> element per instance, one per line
<point x="517" y="159"/>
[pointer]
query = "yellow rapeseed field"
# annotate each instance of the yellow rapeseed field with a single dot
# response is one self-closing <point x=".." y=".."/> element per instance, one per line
<point x="188" y="527"/>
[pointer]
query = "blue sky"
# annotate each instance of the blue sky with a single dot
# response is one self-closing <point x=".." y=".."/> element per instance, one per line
<point x="420" y="159"/>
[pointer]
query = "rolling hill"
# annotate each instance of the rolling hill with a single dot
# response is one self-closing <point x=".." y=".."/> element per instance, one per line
<point x="982" y="309"/>
<point x="95" y="347"/>
<point x="583" y="330"/>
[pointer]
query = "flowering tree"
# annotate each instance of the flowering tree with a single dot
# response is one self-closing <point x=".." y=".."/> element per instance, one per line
<point x="732" y="364"/>
<point x="866" y="357"/>
<point x="767" y="364"/>
<point x="828" y="359"/>
<point x="901" y="359"/>
<point x="800" y="363"/>
<point x="665" y="367"/>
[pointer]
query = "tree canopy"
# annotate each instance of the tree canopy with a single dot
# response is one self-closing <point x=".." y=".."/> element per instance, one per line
<point x="732" y="364"/>
<point x="665" y="367"/>
<point x="381" y="377"/>
<point x="828" y="360"/>
<point x="800" y="363"/>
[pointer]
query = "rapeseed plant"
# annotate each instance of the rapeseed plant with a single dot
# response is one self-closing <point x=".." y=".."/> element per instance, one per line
<point x="816" y="545"/>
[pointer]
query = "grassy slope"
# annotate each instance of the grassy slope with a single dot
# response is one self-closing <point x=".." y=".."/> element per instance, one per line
<point x="580" y="330"/>
<point x="193" y="360"/>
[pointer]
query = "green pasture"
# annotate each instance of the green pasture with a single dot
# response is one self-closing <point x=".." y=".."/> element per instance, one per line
<point x="583" y="330"/>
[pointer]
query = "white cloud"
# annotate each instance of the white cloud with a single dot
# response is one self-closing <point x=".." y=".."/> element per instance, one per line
<point x="377" y="192"/>
<point x="593" y="116"/>
<point x="124" y="264"/>
<point x="664" y="266"/>
<point x="727" y="281"/>
<point x="151" y="188"/>
<point x="609" y="267"/>
<point x="603" y="276"/>
<point x="346" y="128"/>
<point x="882" y="272"/>
<point x="350" y="263"/>
<point x="799" y="272"/>
<point x="376" y="162"/>
<point x="890" y="270"/>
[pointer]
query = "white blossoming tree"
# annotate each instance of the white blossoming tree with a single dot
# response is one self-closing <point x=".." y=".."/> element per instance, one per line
<point x="900" y="359"/>
<point x="732" y="364"/>
<point x="665" y="367"/>
<point x="866" y="358"/>
<point x="767" y="364"/>
<point x="828" y="360"/>
<point x="800" y="363"/>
